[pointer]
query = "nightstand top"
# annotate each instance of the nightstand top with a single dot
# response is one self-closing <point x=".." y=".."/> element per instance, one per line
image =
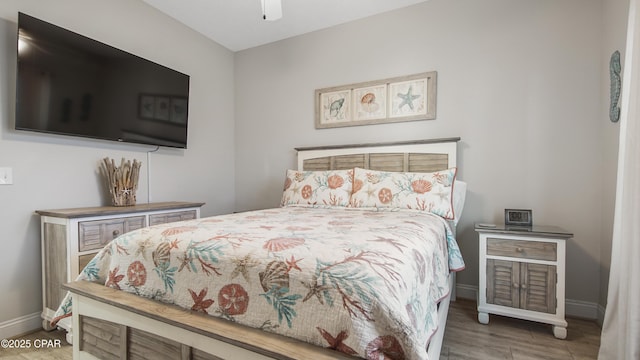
<point x="535" y="230"/>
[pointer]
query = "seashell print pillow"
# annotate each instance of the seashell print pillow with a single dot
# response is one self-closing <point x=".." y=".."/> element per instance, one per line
<point x="430" y="192"/>
<point x="317" y="188"/>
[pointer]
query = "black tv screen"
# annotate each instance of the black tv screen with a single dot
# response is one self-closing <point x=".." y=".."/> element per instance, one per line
<point x="71" y="85"/>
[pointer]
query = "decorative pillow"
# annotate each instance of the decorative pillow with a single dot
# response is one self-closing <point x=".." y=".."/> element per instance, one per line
<point x="317" y="188"/>
<point x="459" y="196"/>
<point x="431" y="192"/>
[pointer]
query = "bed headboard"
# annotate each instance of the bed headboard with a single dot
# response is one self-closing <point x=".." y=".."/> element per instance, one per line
<point x="413" y="156"/>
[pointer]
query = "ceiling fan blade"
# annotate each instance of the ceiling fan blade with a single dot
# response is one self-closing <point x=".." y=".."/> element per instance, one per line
<point x="271" y="9"/>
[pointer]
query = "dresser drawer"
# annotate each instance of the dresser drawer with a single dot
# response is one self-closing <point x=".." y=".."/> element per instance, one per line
<point x="96" y="234"/>
<point x="164" y="218"/>
<point x="83" y="260"/>
<point x="536" y="250"/>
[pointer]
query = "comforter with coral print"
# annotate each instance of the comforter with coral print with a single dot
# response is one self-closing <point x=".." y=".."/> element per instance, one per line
<point x="379" y="275"/>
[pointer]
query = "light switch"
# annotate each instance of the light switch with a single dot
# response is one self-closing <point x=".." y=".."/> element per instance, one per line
<point x="6" y="176"/>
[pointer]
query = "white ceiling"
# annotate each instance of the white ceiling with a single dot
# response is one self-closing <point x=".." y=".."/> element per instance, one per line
<point x="238" y="24"/>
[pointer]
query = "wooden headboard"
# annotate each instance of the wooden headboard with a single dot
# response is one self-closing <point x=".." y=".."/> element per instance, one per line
<point x="413" y="156"/>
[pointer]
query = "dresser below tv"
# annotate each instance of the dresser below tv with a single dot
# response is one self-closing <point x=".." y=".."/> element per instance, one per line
<point x="72" y="237"/>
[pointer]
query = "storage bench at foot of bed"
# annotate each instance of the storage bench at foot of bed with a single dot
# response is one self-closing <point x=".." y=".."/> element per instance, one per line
<point x="107" y="340"/>
<point x="118" y="325"/>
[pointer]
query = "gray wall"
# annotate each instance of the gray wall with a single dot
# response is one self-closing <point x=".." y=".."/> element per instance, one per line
<point x="59" y="172"/>
<point x="519" y="81"/>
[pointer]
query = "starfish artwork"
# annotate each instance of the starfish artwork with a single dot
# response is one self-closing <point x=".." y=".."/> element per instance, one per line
<point x="407" y="99"/>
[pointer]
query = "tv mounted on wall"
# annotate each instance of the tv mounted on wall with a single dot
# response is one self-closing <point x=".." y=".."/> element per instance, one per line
<point x="69" y="84"/>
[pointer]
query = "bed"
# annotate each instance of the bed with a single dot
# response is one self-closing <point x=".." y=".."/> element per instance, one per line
<point x="357" y="261"/>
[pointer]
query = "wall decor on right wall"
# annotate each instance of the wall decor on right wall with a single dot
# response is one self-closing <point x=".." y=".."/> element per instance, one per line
<point x="405" y="98"/>
<point x="616" y="84"/>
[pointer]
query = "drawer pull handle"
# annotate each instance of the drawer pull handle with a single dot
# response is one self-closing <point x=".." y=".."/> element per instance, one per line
<point x="519" y="249"/>
<point x="516" y="286"/>
<point x="116" y="233"/>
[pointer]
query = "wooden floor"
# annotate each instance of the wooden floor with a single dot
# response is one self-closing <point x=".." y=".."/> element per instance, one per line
<point x="465" y="338"/>
<point x="507" y="338"/>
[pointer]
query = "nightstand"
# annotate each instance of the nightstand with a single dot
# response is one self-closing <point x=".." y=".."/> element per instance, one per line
<point x="522" y="274"/>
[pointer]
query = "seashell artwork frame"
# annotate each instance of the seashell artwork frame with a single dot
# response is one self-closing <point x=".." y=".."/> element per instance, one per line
<point x="398" y="99"/>
<point x="370" y="103"/>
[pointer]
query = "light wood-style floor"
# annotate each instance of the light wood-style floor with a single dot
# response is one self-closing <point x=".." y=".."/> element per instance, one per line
<point x="507" y="338"/>
<point x="465" y="339"/>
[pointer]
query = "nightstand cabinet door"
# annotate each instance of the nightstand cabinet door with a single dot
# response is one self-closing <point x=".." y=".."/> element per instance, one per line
<point x="521" y="285"/>
<point x="503" y="281"/>
<point x="538" y="287"/>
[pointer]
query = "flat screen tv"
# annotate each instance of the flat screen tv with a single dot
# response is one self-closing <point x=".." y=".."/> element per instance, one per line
<point x="69" y="84"/>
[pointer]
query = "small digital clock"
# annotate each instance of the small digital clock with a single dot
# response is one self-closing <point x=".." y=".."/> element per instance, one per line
<point x="518" y="217"/>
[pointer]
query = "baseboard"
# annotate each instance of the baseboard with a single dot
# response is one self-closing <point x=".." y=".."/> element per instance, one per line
<point x="20" y="326"/>
<point x="581" y="309"/>
<point x="468" y="292"/>
<point x="573" y="308"/>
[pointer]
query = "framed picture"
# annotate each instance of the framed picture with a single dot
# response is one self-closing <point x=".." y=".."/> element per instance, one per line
<point x="370" y="103"/>
<point x="335" y="107"/>
<point x="408" y="98"/>
<point x="518" y="217"/>
<point x="405" y="98"/>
